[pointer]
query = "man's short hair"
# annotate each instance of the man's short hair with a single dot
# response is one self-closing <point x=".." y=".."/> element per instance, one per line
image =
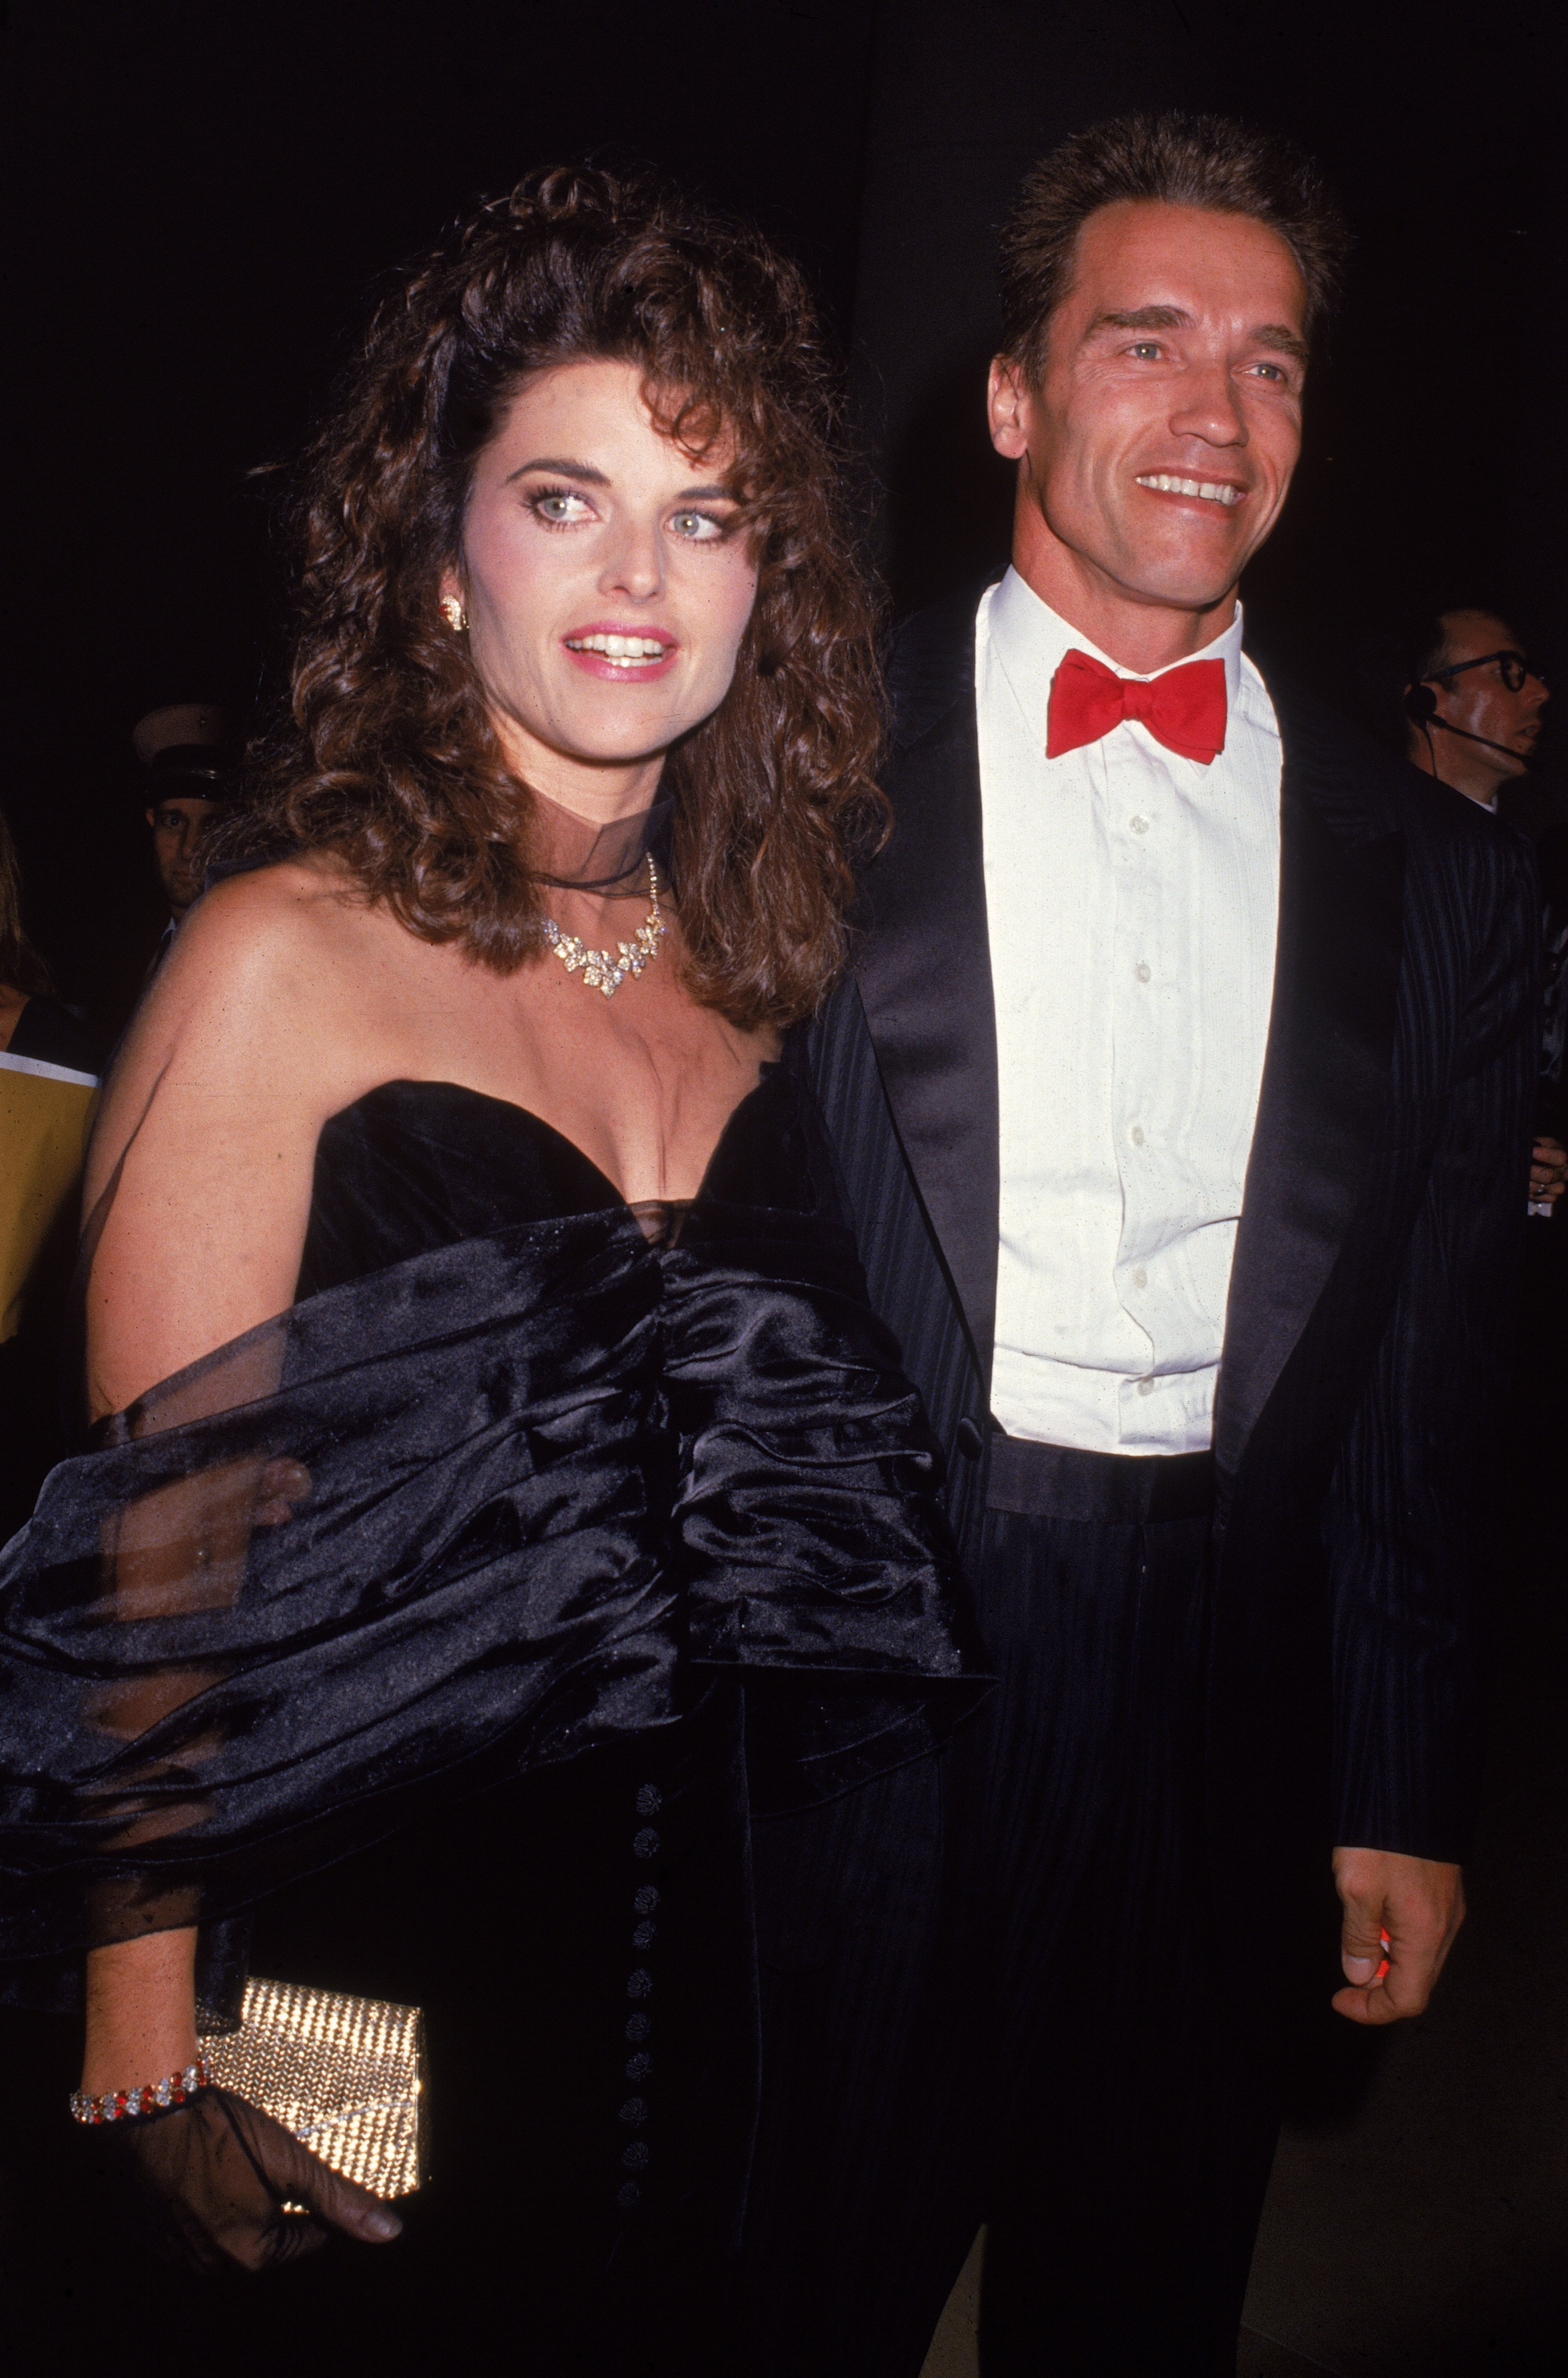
<point x="1402" y="648"/>
<point x="1424" y="641"/>
<point x="1180" y="160"/>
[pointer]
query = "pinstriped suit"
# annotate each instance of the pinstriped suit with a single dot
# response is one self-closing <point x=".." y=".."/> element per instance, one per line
<point x="1328" y="1681"/>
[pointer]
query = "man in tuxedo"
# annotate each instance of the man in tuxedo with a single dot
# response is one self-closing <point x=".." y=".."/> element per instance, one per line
<point x="1181" y="1096"/>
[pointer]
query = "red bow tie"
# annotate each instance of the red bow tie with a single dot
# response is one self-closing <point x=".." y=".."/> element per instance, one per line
<point x="1184" y="709"/>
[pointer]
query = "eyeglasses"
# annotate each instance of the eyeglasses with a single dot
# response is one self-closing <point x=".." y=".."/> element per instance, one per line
<point x="1512" y="667"/>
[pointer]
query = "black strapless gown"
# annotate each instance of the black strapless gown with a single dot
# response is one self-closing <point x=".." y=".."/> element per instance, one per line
<point x="615" y="1521"/>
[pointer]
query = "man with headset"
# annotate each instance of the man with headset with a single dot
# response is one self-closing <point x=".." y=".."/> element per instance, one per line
<point x="1473" y="708"/>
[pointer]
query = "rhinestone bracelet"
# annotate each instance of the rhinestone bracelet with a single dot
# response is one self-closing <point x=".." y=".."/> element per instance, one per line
<point x="122" y="2105"/>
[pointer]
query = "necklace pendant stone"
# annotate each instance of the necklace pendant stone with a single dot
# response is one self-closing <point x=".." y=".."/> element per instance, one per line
<point x="601" y="972"/>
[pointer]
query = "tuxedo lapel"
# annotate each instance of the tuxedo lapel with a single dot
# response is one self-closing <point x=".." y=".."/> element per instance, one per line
<point x="925" y="982"/>
<point x="1325" y="1069"/>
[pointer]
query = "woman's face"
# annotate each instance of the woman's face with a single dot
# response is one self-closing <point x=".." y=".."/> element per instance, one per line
<point x="607" y="580"/>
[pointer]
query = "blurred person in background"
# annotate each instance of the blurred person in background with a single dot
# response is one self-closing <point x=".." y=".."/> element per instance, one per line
<point x="48" y="1086"/>
<point x="1472" y="707"/>
<point x="182" y="746"/>
<point x="1472" y="702"/>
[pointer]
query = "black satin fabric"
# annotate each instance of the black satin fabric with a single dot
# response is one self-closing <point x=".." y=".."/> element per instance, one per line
<point x="520" y="1470"/>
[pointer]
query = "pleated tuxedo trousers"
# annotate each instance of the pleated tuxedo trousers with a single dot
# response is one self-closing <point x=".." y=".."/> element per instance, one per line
<point x="998" y="1989"/>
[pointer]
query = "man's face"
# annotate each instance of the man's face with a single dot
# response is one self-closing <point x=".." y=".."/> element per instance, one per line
<point x="1159" y="443"/>
<point x="179" y="830"/>
<point x="1481" y="701"/>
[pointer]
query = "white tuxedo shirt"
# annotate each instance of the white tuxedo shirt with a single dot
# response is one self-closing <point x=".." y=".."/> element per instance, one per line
<point x="1132" y="902"/>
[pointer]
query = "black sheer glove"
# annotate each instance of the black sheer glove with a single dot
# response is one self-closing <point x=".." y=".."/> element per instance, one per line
<point x="211" y="2179"/>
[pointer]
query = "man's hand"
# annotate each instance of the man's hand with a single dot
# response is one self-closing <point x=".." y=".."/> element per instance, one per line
<point x="1549" y="1171"/>
<point x="1414" y="1905"/>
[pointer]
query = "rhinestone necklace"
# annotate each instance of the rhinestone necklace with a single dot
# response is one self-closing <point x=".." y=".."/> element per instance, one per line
<point x="600" y="970"/>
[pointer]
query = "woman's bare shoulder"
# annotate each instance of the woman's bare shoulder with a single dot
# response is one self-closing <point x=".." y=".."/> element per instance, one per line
<point x="268" y="920"/>
<point x="264" y="1003"/>
<point x="258" y="950"/>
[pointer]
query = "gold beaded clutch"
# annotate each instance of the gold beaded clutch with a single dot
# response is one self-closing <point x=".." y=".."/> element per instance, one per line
<point x="345" y="2074"/>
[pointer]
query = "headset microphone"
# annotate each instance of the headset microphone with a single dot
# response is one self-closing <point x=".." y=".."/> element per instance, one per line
<point x="1420" y="708"/>
<point x="1506" y="749"/>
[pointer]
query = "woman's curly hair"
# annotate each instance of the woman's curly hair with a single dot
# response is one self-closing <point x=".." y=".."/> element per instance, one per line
<point x="387" y="757"/>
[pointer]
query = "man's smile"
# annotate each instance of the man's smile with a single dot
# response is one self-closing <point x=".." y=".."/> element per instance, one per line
<point x="1211" y="491"/>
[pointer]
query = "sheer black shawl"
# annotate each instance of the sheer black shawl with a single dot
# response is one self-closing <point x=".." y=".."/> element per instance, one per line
<point x="476" y="1512"/>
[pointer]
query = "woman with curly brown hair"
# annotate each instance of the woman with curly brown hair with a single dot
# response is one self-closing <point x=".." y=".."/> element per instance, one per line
<point x="515" y="1393"/>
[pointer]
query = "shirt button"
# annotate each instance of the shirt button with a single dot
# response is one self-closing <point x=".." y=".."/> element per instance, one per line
<point x="1136" y="1135"/>
<point x="1140" y="1277"/>
<point x="1142" y="971"/>
<point x="1145" y="1387"/>
<point x="1139" y="826"/>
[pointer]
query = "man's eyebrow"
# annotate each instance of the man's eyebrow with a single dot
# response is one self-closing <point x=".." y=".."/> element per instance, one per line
<point x="564" y="468"/>
<point x="1282" y="339"/>
<point x="1142" y="318"/>
<point x="1277" y="336"/>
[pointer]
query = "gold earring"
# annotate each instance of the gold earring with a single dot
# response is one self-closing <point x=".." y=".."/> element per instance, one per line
<point x="457" y="617"/>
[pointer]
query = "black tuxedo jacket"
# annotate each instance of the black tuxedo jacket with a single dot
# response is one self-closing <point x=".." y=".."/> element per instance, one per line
<point x="1371" y="1298"/>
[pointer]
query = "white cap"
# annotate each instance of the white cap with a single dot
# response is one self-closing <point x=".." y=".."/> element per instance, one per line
<point x="176" y="725"/>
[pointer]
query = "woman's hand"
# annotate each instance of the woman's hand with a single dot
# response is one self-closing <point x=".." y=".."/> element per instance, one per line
<point x="212" y="2178"/>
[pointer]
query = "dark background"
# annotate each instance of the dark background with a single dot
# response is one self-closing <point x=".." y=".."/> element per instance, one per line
<point x="202" y="202"/>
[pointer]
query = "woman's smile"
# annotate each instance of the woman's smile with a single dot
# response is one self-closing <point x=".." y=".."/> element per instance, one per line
<point x="614" y="651"/>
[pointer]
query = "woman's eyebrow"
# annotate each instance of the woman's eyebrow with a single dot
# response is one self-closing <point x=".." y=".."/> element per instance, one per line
<point x="564" y="468"/>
